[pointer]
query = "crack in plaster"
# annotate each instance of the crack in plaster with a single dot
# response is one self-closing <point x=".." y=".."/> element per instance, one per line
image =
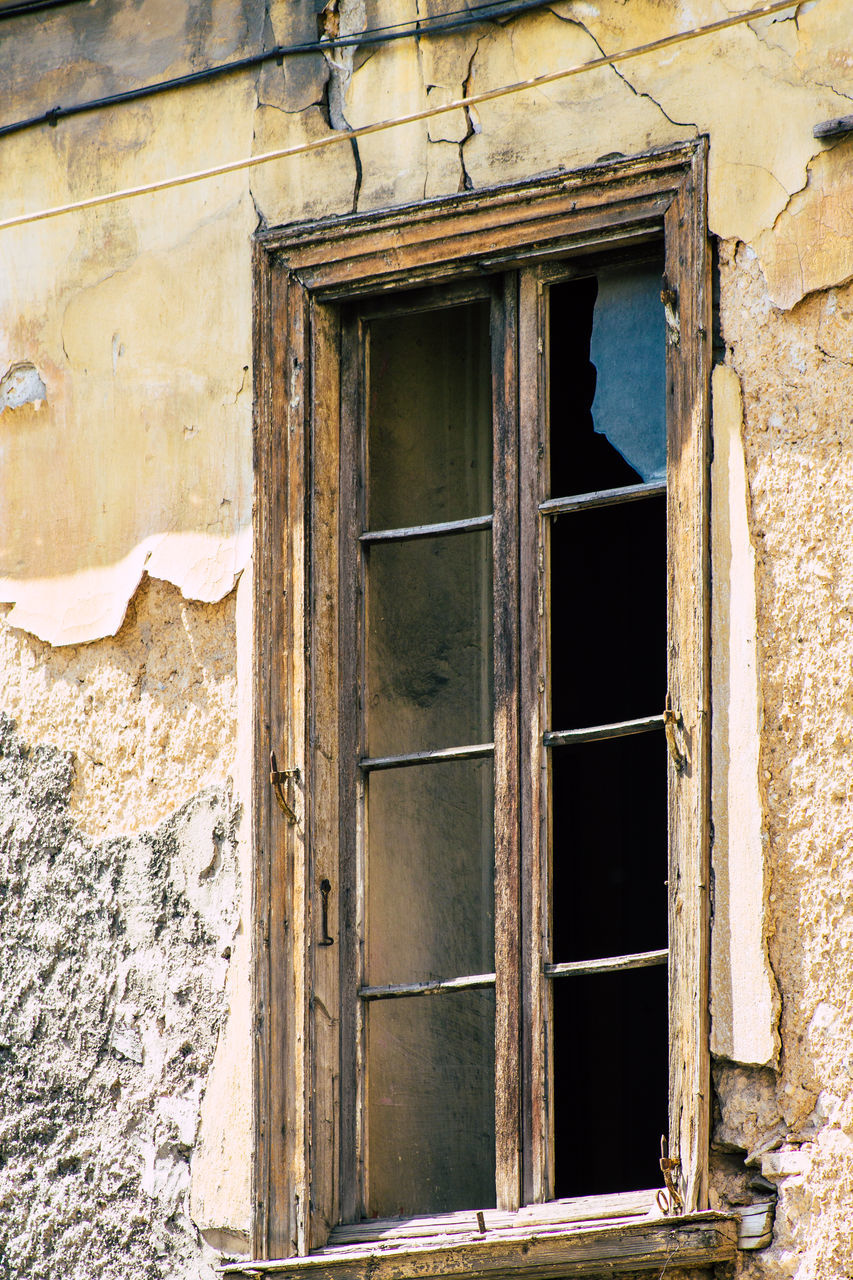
<point x="575" y="22"/>
<point x="828" y="354"/>
<point x="268" y="32"/>
<point x="467" y="181"/>
<point x="341" y="66"/>
<point x="778" y="73"/>
<point x="427" y="88"/>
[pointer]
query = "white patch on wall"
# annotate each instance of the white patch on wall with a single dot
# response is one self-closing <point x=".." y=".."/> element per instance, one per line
<point x="744" y="999"/>
<point x="89" y="604"/>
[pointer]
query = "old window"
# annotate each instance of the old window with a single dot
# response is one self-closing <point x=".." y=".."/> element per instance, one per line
<point x="482" y="894"/>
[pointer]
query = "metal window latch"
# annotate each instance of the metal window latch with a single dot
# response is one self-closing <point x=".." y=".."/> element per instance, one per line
<point x="279" y="778"/>
<point x="669" y="1201"/>
<point x="325" y="889"/>
<point x="671" y="722"/>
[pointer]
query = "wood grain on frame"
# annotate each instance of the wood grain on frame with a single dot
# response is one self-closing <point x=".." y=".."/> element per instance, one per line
<point x="506" y="738"/>
<point x="688" y="606"/>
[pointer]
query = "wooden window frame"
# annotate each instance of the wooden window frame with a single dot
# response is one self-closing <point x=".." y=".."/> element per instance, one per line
<point x="302" y="276"/>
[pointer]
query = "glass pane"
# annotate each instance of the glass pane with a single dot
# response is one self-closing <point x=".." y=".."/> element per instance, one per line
<point x="609" y="847"/>
<point x="608" y="381"/>
<point x="430" y="872"/>
<point x="610" y="1052"/>
<point x="429" y="643"/>
<point x="608" y="614"/>
<point x="431" y="1104"/>
<point x="429" y="439"/>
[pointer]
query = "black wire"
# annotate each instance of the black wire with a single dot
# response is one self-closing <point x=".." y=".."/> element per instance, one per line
<point x="32" y="6"/>
<point x="374" y="36"/>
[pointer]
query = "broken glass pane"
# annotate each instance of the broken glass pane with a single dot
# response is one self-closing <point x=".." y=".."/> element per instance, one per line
<point x="608" y="381"/>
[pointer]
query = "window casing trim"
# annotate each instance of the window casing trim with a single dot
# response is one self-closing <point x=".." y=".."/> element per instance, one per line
<point x="300" y="274"/>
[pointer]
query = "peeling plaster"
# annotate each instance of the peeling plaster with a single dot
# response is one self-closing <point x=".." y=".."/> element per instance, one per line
<point x="22" y="384"/>
<point x="754" y="167"/>
<point x="91" y="603"/>
<point x="810" y="246"/>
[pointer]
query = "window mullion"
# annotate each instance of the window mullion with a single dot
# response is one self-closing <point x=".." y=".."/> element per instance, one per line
<point x="533" y="398"/>
<point x="351" y="631"/>
<point x="506" y="745"/>
<point x="322" y="782"/>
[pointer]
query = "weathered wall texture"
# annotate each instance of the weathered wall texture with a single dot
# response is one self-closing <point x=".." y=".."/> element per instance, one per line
<point x="114" y="954"/>
<point x="796" y="372"/>
<point x="125" y="437"/>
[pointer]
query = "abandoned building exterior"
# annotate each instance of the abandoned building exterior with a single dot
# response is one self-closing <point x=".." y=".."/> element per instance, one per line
<point x="208" y="723"/>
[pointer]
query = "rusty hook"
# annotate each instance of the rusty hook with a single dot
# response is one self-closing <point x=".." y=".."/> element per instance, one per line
<point x="277" y="778"/>
<point x="669" y="1201"/>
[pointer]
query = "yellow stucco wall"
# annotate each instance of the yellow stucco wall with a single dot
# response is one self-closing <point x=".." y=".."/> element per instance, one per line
<point x="135" y="458"/>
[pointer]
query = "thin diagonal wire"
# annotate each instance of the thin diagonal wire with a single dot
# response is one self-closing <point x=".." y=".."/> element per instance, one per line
<point x="490" y="95"/>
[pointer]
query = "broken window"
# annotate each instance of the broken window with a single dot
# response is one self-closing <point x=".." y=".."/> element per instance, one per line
<point x="482" y="906"/>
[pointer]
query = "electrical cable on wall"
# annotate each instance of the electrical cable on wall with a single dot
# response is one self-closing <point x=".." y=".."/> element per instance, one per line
<point x="25" y="7"/>
<point x="454" y="20"/>
<point x="459" y="104"/>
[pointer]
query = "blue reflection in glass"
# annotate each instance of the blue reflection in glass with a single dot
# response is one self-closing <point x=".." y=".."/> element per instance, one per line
<point x="628" y="350"/>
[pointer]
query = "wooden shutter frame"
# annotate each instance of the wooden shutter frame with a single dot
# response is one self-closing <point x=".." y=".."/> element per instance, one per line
<point x="300" y="274"/>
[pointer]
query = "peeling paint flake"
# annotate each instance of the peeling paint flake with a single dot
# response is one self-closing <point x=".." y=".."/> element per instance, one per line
<point x="90" y="604"/>
<point x="810" y="247"/>
<point x="22" y="384"/>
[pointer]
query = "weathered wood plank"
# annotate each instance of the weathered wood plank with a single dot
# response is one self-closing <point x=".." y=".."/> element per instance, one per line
<point x="623" y="1205"/>
<point x="324" y="763"/>
<point x="688" y="369"/>
<point x="538" y="1179"/>
<point x="279" y="979"/>
<point x="472" y="982"/>
<point x="265" y="565"/>
<point x="290" y="931"/>
<point x="506" y="755"/>
<point x="603" y="498"/>
<point x="635" y="190"/>
<point x="612" y="964"/>
<point x="700" y="1240"/>
<point x="602" y="732"/>
<point x="477" y="751"/>
<point x="349" y="782"/>
<point x="427" y="530"/>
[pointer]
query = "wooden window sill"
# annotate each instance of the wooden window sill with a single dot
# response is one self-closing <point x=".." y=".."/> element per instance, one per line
<point x="602" y="1235"/>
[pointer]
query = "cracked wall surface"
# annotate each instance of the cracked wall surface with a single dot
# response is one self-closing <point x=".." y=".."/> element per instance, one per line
<point x="126" y="447"/>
